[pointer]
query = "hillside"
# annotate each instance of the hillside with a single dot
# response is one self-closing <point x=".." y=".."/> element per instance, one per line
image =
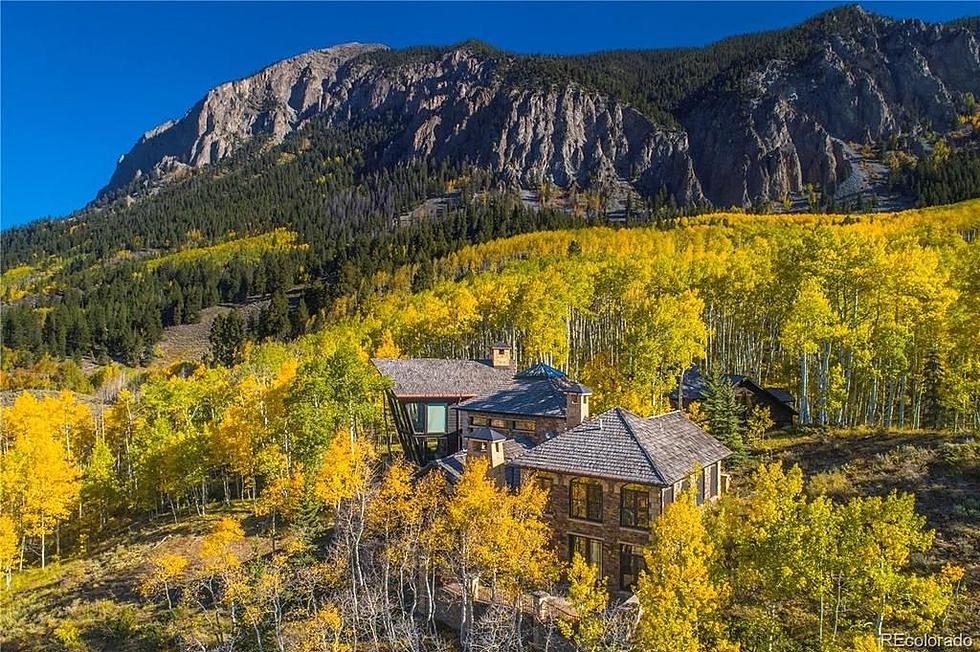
<point x="119" y="509"/>
<point x="91" y="600"/>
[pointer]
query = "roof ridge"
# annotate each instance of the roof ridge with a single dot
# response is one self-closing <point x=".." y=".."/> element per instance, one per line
<point x="629" y="429"/>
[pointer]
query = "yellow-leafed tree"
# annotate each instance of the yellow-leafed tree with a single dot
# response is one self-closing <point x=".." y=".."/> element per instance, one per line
<point x="677" y="594"/>
<point x="40" y="481"/>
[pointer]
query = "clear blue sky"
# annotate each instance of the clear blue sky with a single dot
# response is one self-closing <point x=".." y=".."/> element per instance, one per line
<point x="80" y="82"/>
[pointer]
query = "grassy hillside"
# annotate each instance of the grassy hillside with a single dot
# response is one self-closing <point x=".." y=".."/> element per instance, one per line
<point x="92" y="601"/>
<point x="942" y="470"/>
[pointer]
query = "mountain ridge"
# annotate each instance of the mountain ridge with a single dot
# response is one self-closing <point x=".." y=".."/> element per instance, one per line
<point x="761" y="110"/>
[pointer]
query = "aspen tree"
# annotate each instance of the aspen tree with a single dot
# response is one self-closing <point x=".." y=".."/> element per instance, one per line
<point x="677" y="592"/>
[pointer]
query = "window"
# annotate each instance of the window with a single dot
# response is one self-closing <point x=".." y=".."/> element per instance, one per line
<point x="630" y="565"/>
<point x="702" y="477"/>
<point x="416" y="415"/>
<point x="435" y="417"/>
<point x="479" y="421"/>
<point x="586" y="500"/>
<point x="547" y="485"/>
<point x="634" y="506"/>
<point x="588" y="549"/>
<point x="478" y="446"/>
<point x="498" y="423"/>
<point x="428" y="418"/>
<point x="668" y="495"/>
<point x="713" y="480"/>
<point x="524" y="425"/>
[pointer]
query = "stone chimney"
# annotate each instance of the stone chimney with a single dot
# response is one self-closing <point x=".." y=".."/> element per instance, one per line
<point x="500" y="355"/>
<point x="576" y="405"/>
<point x="488" y="444"/>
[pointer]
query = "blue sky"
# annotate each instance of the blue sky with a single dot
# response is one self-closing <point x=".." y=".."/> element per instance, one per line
<point x="80" y="82"/>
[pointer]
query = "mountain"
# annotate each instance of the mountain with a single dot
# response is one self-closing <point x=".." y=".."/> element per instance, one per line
<point x="750" y="118"/>
<point x="328" y="170"/>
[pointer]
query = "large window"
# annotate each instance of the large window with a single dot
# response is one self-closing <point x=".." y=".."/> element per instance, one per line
<point x="435" y="417"/>
<point x="713" y="480"/>
<point x="634" y="506"/>
<point x="585" y="497"/>
<point x="428" y="418"/>
<point x="588" y="549"/>
<point x="630" y="565"/>
<point x="416" y="415"/>
<point x="700" y="480"/>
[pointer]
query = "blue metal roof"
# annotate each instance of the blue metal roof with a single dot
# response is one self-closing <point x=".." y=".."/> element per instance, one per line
<point x="541" y="370"/>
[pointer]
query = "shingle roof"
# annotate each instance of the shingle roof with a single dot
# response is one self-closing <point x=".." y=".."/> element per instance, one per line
<point x="453" y="465"/>
<point x="437" y="377"/>
<point x="620" y="445"/>
<point x="486" y="434"/>
<point x="537" y="391"/>
<point x="782" y="395"/>
<point x="531" y="397"/>
<point x="694" y="385"/>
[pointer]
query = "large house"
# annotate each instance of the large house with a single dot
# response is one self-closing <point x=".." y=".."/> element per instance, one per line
<point x="607" y="476"/>
<point x="611" y="475"/>
<point x="748" y="393"/>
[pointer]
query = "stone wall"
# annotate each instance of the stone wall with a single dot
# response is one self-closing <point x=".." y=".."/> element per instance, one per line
<point x="609" y="530"/>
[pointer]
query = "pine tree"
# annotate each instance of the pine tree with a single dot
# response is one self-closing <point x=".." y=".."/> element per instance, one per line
<point x="227" y="338"/>
<point x="723" y="412"/>
<point x="274" y="323"/>
<point x="299" y="318"/>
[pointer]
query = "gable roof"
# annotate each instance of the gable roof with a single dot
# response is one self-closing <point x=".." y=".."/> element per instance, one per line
<point x="620" y="445"/>
<point x="782" y="394"/>
<point x="538" y="391"/>
<point x="438" y="377"/>
<point x="694" y="385"/>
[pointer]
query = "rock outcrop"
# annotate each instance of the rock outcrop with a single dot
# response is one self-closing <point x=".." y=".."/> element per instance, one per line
<point x="786" y="126"/>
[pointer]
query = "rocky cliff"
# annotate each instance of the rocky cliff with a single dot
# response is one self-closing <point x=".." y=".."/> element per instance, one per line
<point x="782" y="122"/>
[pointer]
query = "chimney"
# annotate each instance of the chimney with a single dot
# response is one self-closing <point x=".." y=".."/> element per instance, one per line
<point x="487" y="443"/>
<point x="500" y="355"/>
<point x="576" y="405"/>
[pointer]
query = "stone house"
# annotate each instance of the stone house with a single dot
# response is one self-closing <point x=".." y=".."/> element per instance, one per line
<point x="609" y="477"/>
<point x="425" y="391"/>
<point x="434" y="403"/>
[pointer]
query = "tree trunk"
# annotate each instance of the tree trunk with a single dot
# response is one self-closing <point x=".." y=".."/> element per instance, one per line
<point x="804" y="382"/>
